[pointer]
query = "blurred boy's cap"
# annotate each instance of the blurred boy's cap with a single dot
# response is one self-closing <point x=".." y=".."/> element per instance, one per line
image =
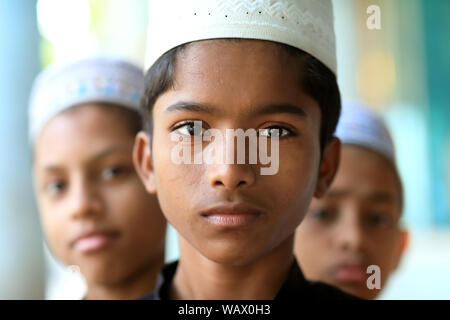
<point x="362" y="127"/>
<point x="305" y="24"/>
<point x="94" y="79"/>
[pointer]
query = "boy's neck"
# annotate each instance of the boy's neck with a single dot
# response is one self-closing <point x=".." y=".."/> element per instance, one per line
<point x="199" y="278"/>
<point x="137" y="285"/>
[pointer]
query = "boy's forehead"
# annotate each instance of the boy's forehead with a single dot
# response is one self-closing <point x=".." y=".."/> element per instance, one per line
<point x="237" y="51"/>
<point x="244" y="78"/>
<point x="238" y="66"/>
<point x="248" y="74"/>
<point x="366" y="173"/>
<point x="87" y="124"/>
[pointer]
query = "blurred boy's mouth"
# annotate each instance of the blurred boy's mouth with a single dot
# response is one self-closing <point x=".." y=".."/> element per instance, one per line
<point x="350" y="273"/>
<point x="94" y="240"/>
<point x="234" y="215"/>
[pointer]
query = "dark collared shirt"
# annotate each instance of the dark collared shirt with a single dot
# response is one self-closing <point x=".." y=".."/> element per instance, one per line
<point x="295" y="287"/>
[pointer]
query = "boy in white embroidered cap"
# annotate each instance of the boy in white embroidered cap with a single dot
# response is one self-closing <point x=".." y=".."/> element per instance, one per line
<point x="94" y="210"/>
<point x="252" y="64"/>
<point x="356" y="224"/>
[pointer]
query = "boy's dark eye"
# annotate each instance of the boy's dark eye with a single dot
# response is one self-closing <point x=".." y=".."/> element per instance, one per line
<point x="323" y="214"/>
<point x="189" y="128"/>
<point x="112" y="172"/>
<point x="55" y="187"/>
<point x="275" y="131"/>
<point x="378" y="219"/>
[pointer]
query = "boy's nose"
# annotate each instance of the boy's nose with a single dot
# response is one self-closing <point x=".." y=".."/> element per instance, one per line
<point x="230" y="176"/>
<point x="350" y="234"/>
<point x="227" y="171"/>
<point x="85" y="202"/>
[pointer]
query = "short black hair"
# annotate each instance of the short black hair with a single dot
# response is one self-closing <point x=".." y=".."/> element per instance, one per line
<point x="318" y="81"/>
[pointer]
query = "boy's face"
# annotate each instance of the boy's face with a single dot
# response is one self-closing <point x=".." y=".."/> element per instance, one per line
<point x="94" y="209"/>
<point x="355" y="225"/>
<point x="229" y="212"/>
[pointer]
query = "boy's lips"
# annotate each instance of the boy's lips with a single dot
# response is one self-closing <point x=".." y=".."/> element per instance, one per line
<point x="95" y="240"/>
<point x="231" y="215"/>
<point x="350" y="273"/>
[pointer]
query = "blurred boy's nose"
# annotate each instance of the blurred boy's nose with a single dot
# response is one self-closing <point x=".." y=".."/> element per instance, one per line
<point x="85" y="200"/>
<point x="349" y="232"/>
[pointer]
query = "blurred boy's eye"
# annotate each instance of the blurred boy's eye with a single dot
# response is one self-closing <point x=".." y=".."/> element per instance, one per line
<point x="275" y="131"/>
<point x="378" y="219"/>
<point x="324" y="215"/>
<point x="55" y="187"/>
<point x="112" y="172"/>
<point x="189" y="128"/>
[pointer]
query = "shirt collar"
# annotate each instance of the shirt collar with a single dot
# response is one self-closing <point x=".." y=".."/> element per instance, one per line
<point x="294" y="284"/>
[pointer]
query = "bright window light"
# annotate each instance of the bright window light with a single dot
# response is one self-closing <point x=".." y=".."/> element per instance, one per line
<point x="66" y="24"/>
<point x="61" y="19"/>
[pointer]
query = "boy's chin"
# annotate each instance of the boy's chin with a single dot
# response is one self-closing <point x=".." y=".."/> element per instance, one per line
<point x="102" y="272"/>
<point x="232" y="256"/>
<point x="362" y="292"/>
<point x="106" y="278"/>
<point x="231" y="260"/>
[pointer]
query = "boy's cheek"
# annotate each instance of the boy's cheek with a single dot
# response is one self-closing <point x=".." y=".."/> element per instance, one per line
<point x="295" y="169"/>
<point x="179" y="184"/>
<point x="54" y="236"/>
<point x="48" y="218"/>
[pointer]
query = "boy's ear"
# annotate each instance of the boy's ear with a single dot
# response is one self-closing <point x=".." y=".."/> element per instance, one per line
<point x="403" y="244"/>
<point x="328" y="166"/>
<point x="143" y="161"/>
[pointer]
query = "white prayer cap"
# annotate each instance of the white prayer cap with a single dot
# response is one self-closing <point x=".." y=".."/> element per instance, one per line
<point x="362" y="127"/>
<point x="305" y="24"/>
<point x="94" y="79"/>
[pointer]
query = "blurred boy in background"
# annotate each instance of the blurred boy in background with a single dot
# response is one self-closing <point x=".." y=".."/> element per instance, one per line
<point x="94" y="209"/>
<point x="356" y="224"/>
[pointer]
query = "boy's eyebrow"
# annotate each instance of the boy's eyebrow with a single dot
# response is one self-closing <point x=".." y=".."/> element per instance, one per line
<point x="264" y="110"/>
<point x="52" y="168"/>
<point x="108" y="151"/>
<point x="192" y="106"/>
<point x="381" y="197"/>
<point x="280" y="108"/>
<point x="98" y="156"/>
<point x="376" y="196"/>
<point x="338" y="192"/>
